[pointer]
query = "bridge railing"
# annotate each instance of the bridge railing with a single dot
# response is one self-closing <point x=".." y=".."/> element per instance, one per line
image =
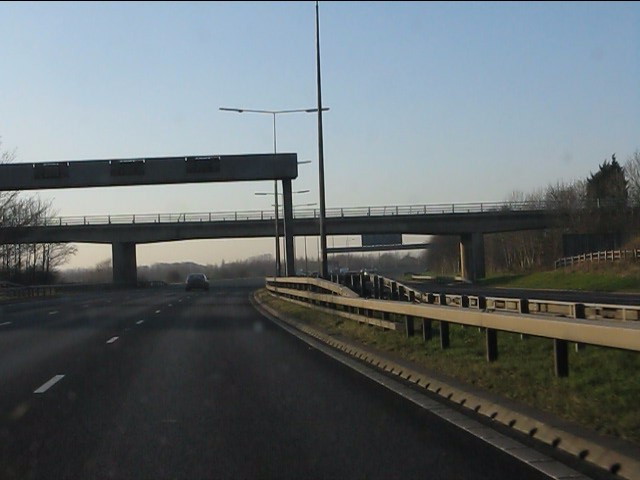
<point x="300" y="213"/>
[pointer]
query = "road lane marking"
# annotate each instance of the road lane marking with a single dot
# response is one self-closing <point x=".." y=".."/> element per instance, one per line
<point x="157" y="311"/>
<point x="53" y="312"/>
<point x="139" y="322"/>
<point x="5" y="323"/>
<point x="112" y="339"/>
<point x="47" y="385"/>
<point x="171" y="305"/>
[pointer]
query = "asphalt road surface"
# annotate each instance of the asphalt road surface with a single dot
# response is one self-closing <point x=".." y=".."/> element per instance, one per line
<point x="165" y="384"/>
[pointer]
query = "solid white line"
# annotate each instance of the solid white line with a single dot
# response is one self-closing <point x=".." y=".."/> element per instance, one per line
<point x="5" y="323"/>
<point x="112" y="339"/>
<point x="53" y="312"/>
<point x="46" y="386"/>
<point x="139" y="322"/>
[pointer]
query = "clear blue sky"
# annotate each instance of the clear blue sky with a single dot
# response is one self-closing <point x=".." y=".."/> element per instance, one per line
<point x="430" y="102"/>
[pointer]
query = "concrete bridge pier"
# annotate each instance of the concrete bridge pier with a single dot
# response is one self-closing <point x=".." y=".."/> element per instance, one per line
<point x="125" y="273"/>
<point x="472" y="256"/>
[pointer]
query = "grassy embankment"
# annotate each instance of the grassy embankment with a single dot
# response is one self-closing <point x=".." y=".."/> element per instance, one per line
<point x="601" y="391"/>
<point x="595" y="277"/>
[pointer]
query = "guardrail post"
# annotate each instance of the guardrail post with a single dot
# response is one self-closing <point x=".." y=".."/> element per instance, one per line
<point x="492" y="344"/>
<point x="394" y="290"/>
<point x="561" y="357"/>
<point x="444" y="335"/>
<point x="409" y="326"/>
<point x="524" y="308"/>
<point x="426" y="329"/>
<point x="402" y="292"/>
<point x="376" y="287"/>
<point x="580" y="312"/>
<point x="381" y="287"/>
<point x="412" y="296"/>
<point x="363" y="285"/>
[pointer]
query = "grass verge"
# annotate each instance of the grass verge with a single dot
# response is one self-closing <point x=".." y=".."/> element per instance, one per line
<point x="622" y="276"/>
<point x="601" y="392"/>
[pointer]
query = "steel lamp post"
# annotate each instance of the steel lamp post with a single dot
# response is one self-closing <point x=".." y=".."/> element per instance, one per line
<point x="274" y="113"/>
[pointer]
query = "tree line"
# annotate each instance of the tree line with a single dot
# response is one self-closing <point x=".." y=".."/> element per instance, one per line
<point x="34" y="263"/>
<point x="257" y="266"/>
<point x="602" y="209"/>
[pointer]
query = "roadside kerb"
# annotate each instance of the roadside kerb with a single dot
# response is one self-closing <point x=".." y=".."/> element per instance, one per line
<point x="624" y="463"/>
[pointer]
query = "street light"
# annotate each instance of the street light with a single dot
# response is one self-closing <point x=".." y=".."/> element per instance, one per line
<point x="306" y="258"/>
<point x="277" y="212"/>
<point x="274" y="113"/>
<point x="324" y="270"/>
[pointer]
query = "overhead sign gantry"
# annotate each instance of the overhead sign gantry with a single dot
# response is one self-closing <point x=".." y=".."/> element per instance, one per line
<point x="154" y="171"/>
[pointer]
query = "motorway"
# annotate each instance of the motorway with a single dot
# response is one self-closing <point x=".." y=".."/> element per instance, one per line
<point x="168" y="384"/>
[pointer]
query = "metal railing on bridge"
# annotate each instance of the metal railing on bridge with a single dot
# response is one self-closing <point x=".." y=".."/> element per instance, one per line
<point x="302" y="213"/>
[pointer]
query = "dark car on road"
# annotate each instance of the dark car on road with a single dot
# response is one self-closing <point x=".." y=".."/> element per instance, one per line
<point x="197" y="281"/>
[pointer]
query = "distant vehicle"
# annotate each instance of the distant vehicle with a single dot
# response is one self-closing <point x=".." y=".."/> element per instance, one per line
<point x="197" y="281"/>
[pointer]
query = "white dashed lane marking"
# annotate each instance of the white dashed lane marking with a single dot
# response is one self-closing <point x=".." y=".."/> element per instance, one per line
<point x="112" y="339"/>
<point x="4" y="324"/>
<point x="139" y="322"/>
<point x="47" y="385"/>
<point x="53" y="312"/>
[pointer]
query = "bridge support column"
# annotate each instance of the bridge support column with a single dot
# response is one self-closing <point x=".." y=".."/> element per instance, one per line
<point x="288" y="227"/>
<point x="125" y="272"/>
<point x="472" y="256"/>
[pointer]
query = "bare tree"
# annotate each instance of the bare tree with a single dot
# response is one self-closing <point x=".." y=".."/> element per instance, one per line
<point x="632" y="173"/>
<point x="29" y="263"/>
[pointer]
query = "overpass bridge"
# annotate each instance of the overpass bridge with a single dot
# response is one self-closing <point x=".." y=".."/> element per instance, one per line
<point x="470" y="221"/>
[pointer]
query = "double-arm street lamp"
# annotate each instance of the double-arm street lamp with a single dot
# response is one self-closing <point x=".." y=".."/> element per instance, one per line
<point x="274" y="113"/>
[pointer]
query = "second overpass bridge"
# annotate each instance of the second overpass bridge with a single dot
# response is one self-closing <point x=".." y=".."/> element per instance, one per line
<point x="470" y="221"/>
